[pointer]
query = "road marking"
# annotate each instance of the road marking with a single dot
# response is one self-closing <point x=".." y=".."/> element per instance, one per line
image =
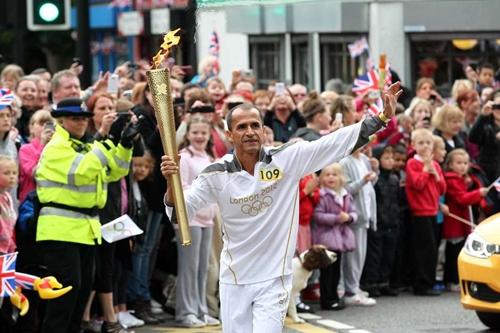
<point x="359" y="331"/>
<point x="309" y="316"/>
<point x="307" y="328"/>
<point x="334" y="324"/>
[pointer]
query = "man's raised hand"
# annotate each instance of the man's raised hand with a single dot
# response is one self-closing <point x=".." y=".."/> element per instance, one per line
<point x="390" y="98"/>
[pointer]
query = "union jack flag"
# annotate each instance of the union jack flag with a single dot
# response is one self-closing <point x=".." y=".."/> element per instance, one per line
<point x="25" y="281"/>
<point x="8" y="274"/>
<point x="6" y="97"/>
<point x="369" y="82"/>
<point x="214" y="46"/>
<point x="358" y="47"/>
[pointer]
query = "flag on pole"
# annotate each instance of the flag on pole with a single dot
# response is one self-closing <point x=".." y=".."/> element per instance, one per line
<point x="495" y="184"/>
<point x="214" y="46"/>
<point x="358" y="47"/>
<point x="8" y="274"/>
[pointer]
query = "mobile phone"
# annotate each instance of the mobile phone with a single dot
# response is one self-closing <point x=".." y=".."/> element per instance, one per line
<point x="113" y="83"/>
<point x="495" y="107"/>
<point x="232" y="105"/>
<point x="373" y="94"/>
<point x="202" y="109"/>
<point x="338" y="117"/>
<point x="279" y="88"/>
<point x="188" y="70"/>
<point x="247" y="73"/>
<point x="49" y="125"/>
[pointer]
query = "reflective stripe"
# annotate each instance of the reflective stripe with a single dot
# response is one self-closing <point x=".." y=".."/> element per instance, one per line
<point x="72" y="169"/>
<point x="121" y="163"/>
<point x="45" y="211"/>
<point x="74" y="188"/>
<point x="100" y="156"/>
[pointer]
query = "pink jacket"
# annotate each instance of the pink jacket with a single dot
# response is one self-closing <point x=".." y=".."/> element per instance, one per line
<point x="8" y="217"/>
<point x="192" y="164"/>
<point x="29" y="154"/>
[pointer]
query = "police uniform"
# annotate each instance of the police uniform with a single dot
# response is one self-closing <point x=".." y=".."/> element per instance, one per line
<point x="259" y="223"/>
<point x="71" y="178"/>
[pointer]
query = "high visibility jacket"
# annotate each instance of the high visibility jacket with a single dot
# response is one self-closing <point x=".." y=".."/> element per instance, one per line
<point x="71" y="179"/>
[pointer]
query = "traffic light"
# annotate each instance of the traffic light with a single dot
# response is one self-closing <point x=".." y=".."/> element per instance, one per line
<point x="48" y="14"/>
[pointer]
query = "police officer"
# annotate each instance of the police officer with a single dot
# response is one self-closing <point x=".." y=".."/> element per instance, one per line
<point x="72" y="178"/>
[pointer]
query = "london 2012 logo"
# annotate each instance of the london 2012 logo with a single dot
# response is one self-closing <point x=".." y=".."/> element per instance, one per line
<point x="257" y="206"/>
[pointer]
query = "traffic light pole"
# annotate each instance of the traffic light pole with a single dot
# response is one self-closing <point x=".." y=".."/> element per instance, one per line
<point x="83" y="42"/>
<point x="20" y="29"/>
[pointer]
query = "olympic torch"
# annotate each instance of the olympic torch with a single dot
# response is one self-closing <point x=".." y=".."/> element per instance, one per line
<point x="382" y="72"/>
<point x="159" y="85"/>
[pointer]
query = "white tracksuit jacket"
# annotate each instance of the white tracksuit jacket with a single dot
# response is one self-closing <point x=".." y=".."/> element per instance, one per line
<point x="260" y="211"/>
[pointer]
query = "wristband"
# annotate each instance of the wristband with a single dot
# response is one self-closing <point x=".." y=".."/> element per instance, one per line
<point x="382" y="117"/>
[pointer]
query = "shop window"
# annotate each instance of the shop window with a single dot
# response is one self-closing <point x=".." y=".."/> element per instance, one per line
<point x="300" y="60"/>
<point x="267" y="59"/>
<point x="336" y="60"/>
<point x="440" y="58"/>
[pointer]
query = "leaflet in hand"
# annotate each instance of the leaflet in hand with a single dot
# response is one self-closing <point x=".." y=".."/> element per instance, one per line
<point x="120" y="228"/>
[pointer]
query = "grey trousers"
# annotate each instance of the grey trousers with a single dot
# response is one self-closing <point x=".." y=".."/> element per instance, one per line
<point x="192" y="270"/>
<point x="353" y="261"/>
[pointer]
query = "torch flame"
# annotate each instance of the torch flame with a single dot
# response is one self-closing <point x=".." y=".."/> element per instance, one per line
<point x="169" y="40"/>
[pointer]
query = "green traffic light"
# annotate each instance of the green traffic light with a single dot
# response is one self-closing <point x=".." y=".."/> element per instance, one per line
<point x="48" y="12"/>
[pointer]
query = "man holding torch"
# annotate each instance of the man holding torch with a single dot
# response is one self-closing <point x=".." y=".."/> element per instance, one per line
<point x="256" y="190"/>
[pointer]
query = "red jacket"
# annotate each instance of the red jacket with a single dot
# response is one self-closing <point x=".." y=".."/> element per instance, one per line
<point x="458" y="199"/>
<point x="422" y="189"/>
<point x="307" y="202"/>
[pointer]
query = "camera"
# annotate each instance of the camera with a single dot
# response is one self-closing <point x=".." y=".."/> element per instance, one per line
<point x="495" y="107"/>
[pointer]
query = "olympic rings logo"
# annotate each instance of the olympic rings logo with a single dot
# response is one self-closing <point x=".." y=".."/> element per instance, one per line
<point x="120" y="228"/>
<point x="257" y="206"/>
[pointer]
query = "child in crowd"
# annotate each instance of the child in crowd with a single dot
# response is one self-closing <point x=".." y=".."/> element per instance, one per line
<point x="8" y="214"/>
<point x="382" y="242"/>
<point x="191" y="306"/>
<point x="10" y="76"/>
<point x="438" y="155"/>
<point x="424" y="184"/>
<point x="41" y="127"/>
<point x="485" y="76"/>
<point x="217" y="92"/>
<point x="459" y="198"/>
<point x="360" y="179"/>
<point x="334" y="212"/>
<point x="308" y="199"/>
<point x="142" y="168"/>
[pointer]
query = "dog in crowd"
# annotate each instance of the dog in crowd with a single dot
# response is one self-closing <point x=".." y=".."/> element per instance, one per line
<point x="303" y="265"/>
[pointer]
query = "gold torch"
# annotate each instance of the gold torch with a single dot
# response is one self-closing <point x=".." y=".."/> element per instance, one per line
<point x="159" y="84"/>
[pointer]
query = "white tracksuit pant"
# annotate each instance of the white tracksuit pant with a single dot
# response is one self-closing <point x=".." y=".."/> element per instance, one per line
<point x="257" y="307"/>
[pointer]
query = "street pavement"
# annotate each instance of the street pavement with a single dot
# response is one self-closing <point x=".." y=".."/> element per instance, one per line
<point x="403" y="314"/>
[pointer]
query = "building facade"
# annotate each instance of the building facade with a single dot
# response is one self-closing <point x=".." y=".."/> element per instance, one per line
<point x="306" y="41"/>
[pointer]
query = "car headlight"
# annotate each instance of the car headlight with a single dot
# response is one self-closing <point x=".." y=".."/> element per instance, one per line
<point x="477" y="246"/>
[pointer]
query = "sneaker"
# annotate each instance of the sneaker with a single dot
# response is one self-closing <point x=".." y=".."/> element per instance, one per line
<point x="359" y="300"/>
<point x="190" y="321"/>
<point x="108" y="327"/>
<point x="210" y="321"/>
<point x="128" y="320"/>
<point x="454" y="287"/>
